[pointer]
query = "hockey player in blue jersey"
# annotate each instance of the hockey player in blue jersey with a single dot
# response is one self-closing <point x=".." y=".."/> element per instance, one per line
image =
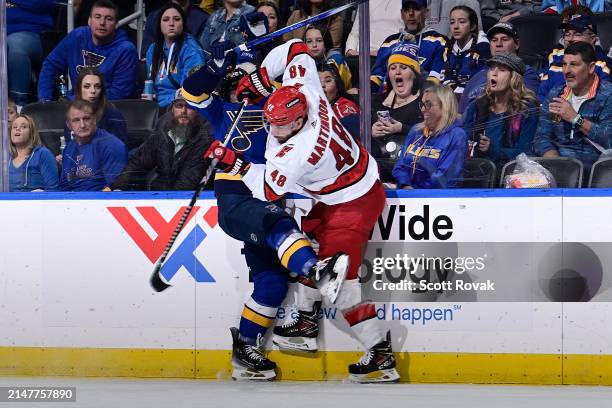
<point x="273" y="241"/>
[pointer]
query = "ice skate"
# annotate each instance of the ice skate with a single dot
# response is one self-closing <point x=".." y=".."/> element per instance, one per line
<point x="377" y="364"/>
<point x="336" y="268"/>
<point x="301" y="333"/>
<point x="248" y="362"/>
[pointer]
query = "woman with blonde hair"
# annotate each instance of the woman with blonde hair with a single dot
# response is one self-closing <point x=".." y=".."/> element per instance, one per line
<point x="32" y="166"/>
<point x="434" y="151"/>
<point x="501" y="123"/>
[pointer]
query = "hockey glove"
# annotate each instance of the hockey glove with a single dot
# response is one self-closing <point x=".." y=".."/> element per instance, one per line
<point x="228" y="161"/>
<point x="220" y="61"/>
<point x="253" y="25"/>
<point x="218" y="49"/>
<point x="254" y="87"/>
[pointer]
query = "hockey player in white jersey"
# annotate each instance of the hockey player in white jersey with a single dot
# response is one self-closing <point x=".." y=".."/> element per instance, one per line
<point x="310" y="153"/>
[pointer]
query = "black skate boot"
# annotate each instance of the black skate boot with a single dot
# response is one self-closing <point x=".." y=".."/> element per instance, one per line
<point x="336" y="268"/>
<point x="248" y="361"/>
<point x="299" y="334"/>
<point x="377" y="364"/>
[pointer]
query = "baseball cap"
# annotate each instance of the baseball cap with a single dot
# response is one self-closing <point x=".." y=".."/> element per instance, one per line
<point x="179" y="98"/>
<point x="509" y="60"/>
<point x="419" y="3"/>
<point x="503" y="27"/>
<point x="580" y="22"/>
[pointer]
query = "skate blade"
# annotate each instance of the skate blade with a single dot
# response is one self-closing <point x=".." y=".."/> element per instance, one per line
<point x="240" y="373"/>
<point x="380" y="376"/>
<point x="332" y="288"/>
<point x="303" y="344"/>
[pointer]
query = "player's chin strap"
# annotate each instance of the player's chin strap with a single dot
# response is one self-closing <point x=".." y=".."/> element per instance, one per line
<point x="158" y="282"/>
<point x="270" y="36"/>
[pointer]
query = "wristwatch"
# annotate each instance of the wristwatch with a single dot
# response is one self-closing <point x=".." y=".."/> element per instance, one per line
<point x="577" y="122"/>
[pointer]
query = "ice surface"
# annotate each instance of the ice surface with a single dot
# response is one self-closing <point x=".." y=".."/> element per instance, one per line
<point x="137" y="393"/>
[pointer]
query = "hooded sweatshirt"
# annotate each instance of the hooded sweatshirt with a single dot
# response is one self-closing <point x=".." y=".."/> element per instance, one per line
<point x="432" y="162"/>
<point x="38" y="172"/>
<point x="117" y="61"/>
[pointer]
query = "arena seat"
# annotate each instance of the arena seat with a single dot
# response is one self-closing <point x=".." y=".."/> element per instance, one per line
<point x="353" y="64"/>
<point x="488" y="22"/>
<point x="50" y="38"/>
<point x="478" y="173"/>
<point x="141" y="118"/>
<point x="538" y="34"/>
<point x="601" y="174"/>
<point x="50" y="120"/>
<point x="604" y="29"/>
<point x="566" y="171"/>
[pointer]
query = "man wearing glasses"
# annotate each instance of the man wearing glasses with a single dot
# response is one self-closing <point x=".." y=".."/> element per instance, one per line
<point x="579" y="28"/>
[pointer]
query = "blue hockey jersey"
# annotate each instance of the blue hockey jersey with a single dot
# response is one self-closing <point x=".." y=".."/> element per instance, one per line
<point x="552" y="70"/>
<point x="460" y="64"/>
<point x="431" y="49"/>
<point x="249" y="138"/>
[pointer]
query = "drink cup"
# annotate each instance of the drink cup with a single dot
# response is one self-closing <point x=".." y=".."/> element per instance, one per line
<point x="148" y="90"/>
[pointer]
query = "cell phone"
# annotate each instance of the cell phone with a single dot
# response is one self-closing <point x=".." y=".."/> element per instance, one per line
<point x="384" y="117"/>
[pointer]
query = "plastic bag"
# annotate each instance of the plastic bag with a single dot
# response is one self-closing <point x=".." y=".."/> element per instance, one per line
<point x="529" y="174"/>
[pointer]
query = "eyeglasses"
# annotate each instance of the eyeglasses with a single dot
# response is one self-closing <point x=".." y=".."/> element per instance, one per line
<point x="576" y="34"/>
<point x="427" y="105"/>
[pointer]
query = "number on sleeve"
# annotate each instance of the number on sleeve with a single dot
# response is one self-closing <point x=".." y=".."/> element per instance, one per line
<point x="279" y="179"/>
<point x="295" y="70"/>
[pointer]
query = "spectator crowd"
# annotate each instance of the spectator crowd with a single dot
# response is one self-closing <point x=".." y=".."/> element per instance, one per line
<point x="449" y="84"/>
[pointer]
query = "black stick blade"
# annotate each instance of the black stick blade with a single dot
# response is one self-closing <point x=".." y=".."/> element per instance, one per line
<point x="157" y="282"/>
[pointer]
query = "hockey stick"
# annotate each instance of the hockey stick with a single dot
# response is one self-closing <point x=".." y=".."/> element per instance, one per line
<point x="270" y="36"/>
<point x="604" y="153"/>
<point x="157" y="282"/>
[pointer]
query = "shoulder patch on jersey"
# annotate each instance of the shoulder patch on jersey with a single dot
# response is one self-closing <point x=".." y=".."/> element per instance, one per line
<point x="603" y="65"/>
<point x="286" y="149"/>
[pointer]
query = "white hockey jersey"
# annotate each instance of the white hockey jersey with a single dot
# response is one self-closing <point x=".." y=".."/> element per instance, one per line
<point x="322" y="160"/>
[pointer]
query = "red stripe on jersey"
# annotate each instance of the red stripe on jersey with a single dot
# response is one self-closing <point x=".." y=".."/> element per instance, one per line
<point x="297" y="49"/>
<point x="269" y="193"/>
<point x="351" y="176"/>
<point x="360" y="313"/>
